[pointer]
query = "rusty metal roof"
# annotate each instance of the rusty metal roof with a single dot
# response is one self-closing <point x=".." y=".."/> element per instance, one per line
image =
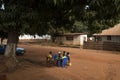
<point x="114" y="31"/>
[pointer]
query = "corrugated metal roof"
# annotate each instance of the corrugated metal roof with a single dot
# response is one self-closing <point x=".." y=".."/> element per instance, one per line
<point x="114" y="31"/>
<point x="74" y="34"/>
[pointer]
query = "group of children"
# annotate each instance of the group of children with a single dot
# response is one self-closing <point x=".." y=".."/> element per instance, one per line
<point x="60" y="59"/>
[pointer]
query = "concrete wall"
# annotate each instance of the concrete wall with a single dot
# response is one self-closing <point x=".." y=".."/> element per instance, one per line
<point x="62" y="40"/>
<point x="77" y="40"/>
<point x="113" y="39"/>
<point x="83" y="38"/>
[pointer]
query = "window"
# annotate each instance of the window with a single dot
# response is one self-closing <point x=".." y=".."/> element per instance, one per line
<point x="108" y="37"/>
<point x="69" y="38"/>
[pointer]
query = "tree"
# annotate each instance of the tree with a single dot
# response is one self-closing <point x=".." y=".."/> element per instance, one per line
<point x="32" y="16"/>
<point x="52" y="16"/>
<point x="18" y="17"/>
<point x="79" y="27"/>
<point x="64" y="15"/>
<point x="3" y="35"/>
<point x="99" y="16"/>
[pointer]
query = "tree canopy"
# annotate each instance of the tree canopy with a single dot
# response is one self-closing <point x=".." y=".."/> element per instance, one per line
<point x="102" y="14"/>
<point x="43" y="16"/>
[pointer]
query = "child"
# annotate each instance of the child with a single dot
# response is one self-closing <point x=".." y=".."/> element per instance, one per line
<point x="55" y="59"/>
<point x="64" y="60"/>
<point x="49" y="59"/>
<point x="59" y="59"/>
<point x="68" y="56"/>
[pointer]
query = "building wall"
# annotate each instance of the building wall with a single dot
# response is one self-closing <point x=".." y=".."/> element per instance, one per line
<point x="62" y="40"/>
<point x="77" y="40"/>
<point x="83" y="38"/>
<point x="113" y="39"/>
<point x="67" y="42"/>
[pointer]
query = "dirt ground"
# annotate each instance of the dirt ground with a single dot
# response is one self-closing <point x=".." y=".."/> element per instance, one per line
<point x="86" y="65"/>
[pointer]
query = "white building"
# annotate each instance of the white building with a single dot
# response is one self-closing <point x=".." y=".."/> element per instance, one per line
<point x="72" y="38"/>
<point x="110" y="35"/>
<point x="26" y="36"/>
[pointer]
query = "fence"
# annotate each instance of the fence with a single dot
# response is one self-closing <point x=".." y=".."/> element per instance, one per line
<point x="112" y="46"/>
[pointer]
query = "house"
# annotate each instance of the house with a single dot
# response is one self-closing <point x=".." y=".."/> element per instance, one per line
<point x="28" y="37"/>
<point x="109" y="35"/>
<point x="108" y="39"/>
<point x="72" y="39"/>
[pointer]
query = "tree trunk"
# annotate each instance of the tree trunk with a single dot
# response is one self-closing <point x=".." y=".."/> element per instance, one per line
<point x="10" y="56"/>
<point x="2" y="40"/>
<point x="53" y="38"/>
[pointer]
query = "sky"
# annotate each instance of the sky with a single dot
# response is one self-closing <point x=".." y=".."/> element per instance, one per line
<point x="2" y="7"/>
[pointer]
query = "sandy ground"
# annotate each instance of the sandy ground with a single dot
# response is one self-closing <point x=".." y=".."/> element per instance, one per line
<point x="86" y="65"/>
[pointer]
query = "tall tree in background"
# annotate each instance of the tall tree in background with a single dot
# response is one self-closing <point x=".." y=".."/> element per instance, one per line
<point x="79" y="27"/>
<point x="101" y="14"/>
<point x="64" y="15"/>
